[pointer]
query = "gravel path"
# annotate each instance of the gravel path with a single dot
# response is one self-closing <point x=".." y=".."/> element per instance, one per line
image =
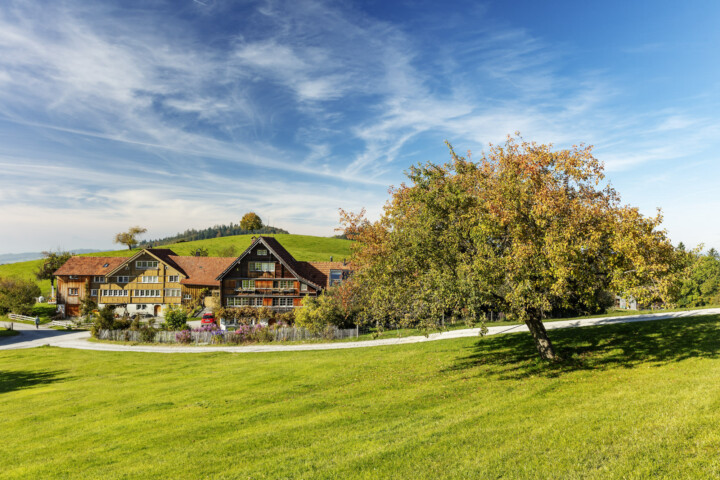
<point x="29" y="337"/>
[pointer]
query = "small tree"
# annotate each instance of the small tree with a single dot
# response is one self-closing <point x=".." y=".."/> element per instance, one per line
<point x="199" y="252"/>
<point x="318" y="313"/>
<point x="129" y="238"/>
<point x="51" y="262"/>
<point x="87" y="305"/>
<point x="176" y="317"/>
<point x="251" y="222"/>
<point x="17" y="295"/>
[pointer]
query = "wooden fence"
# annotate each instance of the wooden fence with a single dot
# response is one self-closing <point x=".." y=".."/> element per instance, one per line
<point x="24" y="318"/>
<point x="283" y="334"/>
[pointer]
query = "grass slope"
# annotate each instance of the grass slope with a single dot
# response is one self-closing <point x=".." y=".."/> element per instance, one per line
<point x="302" y="247"/>
<point x="635" y="400"/>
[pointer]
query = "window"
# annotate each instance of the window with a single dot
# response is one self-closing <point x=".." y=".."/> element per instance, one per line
<point x="283" y="302"/>
<point x="285" y="285"/>
<point x="248" y="284"/>
<point x="172" y="292"/>
<point x="72" y="291"/>
<point x="146" y="264"/>
<point x="115" y="293"/>
<point x="262" y="266"/>
<point x="261" y="253"/>
<point x="147" y="293"/>
<point x="148" y="279"/>
<point x="303" y="287"/>
<point x="173" y="278"/>
<point x="123" y="279"/>
<point x="93" y="292"/>
<point x="187" y="296"/>
<point x="73" y="277"/>
<point x="243" y="301"/>
<point x="335" y="277"/>
<point x="99" y="279"/>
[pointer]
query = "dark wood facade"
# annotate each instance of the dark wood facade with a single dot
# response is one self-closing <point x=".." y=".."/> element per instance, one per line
<point x="261" y="278"/>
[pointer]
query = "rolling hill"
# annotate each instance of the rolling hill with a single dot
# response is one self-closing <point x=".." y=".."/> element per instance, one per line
<point x="302" y="247"/>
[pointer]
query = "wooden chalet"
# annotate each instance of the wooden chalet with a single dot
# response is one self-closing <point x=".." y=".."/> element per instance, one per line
<point x="266" y="275"/>
<point x="143" y="283"/>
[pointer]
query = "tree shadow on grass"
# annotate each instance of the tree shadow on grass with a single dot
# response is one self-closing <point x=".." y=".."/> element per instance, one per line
<point x="625" y="345"/>
<point x="18" y="380"/>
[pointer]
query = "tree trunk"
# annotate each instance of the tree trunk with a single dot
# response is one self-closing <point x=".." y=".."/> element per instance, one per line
<point x="542" y="341"/>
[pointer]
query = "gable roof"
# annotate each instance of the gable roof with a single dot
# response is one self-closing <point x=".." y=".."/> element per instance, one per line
<point x="280" y="253"/>
<point x="89" y="265"/>
<point x="201" y="270"/>
<point x="160" y="254"/>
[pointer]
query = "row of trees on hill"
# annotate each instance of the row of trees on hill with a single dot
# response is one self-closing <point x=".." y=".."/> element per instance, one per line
<point x="251" y="223"/>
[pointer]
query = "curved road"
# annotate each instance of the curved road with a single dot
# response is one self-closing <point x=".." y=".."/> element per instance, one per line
<point x="30" y="337"/>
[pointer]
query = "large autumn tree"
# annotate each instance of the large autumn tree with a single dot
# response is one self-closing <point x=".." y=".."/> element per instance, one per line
<point x="521" y="230"/>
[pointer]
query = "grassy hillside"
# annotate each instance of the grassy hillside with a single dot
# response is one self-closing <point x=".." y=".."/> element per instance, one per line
<point x="630" y="401"/>
<point x="302" y="247"/>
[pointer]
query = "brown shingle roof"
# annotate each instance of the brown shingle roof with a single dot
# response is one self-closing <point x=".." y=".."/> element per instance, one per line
<point x="201" y="270"/>
<point x="89" y="265"/>
<point x="319" y="272"/>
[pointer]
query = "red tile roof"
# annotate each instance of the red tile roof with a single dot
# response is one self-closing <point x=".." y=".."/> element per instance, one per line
<point x="89" y="265"/>
<point x="201" y="270"/>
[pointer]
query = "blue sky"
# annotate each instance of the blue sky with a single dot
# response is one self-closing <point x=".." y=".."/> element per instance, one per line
<point x="188" y="113"/>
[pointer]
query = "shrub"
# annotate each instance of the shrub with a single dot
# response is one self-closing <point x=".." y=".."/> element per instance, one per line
<point x="17" y="295"/>
<point x="104" y="320"/>
<point x="184" y="336"/>
<point x="147" y="333"/>
<point x="176" y="317"/>
<point x="317" y="313"/>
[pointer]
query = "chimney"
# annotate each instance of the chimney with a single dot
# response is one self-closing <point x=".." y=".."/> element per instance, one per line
<point x="331" y="258"/>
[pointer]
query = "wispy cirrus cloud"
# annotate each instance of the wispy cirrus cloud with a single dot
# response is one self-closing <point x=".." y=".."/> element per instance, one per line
<point x="190" y="112"/>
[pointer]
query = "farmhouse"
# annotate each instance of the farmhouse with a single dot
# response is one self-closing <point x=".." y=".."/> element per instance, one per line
<point x="264" y="275"/>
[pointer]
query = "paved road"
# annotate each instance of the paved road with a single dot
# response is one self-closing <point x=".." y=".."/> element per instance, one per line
<point x="29" y="337"/>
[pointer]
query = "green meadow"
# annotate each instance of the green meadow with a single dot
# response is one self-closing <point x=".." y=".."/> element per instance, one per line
<point x="637" y="400"/>
<point x="302" y="247"/>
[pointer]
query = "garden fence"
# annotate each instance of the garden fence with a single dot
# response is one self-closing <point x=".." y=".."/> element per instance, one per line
<point x="283" y="334"/>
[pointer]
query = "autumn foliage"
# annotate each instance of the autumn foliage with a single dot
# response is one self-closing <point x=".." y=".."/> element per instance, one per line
<point x="521" y="230"/>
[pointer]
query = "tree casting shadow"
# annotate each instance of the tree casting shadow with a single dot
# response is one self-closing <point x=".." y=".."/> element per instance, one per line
<point x="18" y="380"/>
<point x="624" y="345"/>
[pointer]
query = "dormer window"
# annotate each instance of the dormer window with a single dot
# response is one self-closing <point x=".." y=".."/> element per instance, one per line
<point x="335" y="277"/>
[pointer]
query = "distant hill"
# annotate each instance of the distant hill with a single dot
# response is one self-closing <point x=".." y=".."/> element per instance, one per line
<point x="25" y="256"/>
<point x="302" y="247"/>
<point x="212" y="232"/>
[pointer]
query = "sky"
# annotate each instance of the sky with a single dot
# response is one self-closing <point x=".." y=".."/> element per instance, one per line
<point x="189" y="113"/>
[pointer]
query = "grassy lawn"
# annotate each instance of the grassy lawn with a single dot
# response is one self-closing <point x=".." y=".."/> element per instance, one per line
<point x="634" y="400"/>
<point x="41" y="310"/>
<point x="4" y="332"/>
